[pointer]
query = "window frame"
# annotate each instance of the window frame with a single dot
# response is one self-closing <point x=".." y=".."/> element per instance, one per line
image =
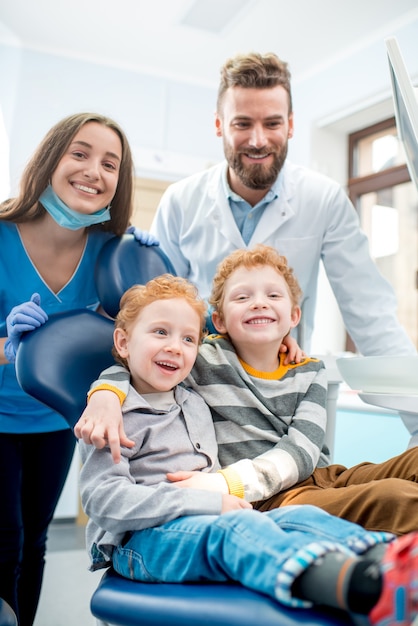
<point x="360" y="185"/>
<point x="389" y="177"/>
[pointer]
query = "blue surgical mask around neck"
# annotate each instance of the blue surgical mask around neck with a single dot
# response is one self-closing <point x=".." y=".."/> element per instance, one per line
<point x="66" y="217"/>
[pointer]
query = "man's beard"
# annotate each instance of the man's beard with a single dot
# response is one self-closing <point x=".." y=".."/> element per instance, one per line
<point x="255" y="176"/>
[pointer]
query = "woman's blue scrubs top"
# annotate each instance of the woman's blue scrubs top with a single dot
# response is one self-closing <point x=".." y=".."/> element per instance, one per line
<point x="19" y="279"/>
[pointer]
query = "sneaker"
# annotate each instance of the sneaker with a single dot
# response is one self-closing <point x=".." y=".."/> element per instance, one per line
<point x="398" y="602"/>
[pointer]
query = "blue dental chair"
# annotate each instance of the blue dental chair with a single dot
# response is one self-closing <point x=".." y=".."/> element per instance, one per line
<point x="56" y="364"/>
<point x="7" y="615"/>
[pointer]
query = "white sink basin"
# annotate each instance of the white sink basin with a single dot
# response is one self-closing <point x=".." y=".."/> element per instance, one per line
<point x="396" y="402"/>
<point x="389" y="382"/>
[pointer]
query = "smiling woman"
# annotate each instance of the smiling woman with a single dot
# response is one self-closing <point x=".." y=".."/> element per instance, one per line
<point x="87" y="175"/>
<point x="76" y="193"/>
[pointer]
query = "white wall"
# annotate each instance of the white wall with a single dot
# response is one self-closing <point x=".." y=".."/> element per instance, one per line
<point x="158" y="115"/>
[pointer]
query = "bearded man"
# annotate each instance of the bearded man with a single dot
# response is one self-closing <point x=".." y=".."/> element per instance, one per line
<point x="258" y="196"/>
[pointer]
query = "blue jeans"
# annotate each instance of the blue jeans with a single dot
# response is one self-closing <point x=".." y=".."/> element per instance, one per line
<point x="263" y="551"/>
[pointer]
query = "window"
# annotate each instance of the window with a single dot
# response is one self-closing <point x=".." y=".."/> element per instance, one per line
<point x="387" y="201"/>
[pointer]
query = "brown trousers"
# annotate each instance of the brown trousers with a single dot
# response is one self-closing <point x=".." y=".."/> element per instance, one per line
<point x="378" y="496"/>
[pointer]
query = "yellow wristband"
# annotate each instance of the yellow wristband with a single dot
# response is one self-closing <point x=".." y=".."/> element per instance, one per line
<point x="234" y="482"/>
<point x="106" y="387"/>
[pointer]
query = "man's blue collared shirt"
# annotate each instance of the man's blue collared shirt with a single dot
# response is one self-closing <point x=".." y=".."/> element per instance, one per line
<point x="245" y="215"/>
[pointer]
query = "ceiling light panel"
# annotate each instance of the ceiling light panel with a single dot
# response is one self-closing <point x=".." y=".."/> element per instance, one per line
<point x="214" y="16"/>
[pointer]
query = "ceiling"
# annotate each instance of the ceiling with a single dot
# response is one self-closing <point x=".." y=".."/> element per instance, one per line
<point x="189" y="40"/>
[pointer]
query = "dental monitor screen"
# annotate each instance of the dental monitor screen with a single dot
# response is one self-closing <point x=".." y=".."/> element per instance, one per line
<point x="406" y="106"/>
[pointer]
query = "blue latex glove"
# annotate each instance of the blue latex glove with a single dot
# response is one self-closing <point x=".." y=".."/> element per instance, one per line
<point x="22" y="318"/>
<point x="143" y="236"/>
